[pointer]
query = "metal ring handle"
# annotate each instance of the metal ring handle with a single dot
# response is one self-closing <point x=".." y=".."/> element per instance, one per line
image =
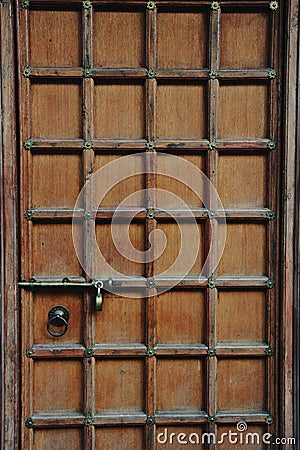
<point x="58" y="317"/>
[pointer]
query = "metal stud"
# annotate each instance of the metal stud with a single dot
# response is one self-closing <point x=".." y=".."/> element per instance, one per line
<point x="271" y="145"/>
<point x="29" y="214"/>
<point x="28" y="144"/>
<point x="215" y="6"/>
<point x="25" y="4"/>
<point x="274" y="5"/>
<point x="270" y="351"/>
<point x="270" y="215"/>
<point x="88" y="215"/>
<point x="29" y="423"/>
<point x="150" y="420"/>
<point x="151" y="5"/>
<point x="86" y="4"/>
<point x="269" y="420"/>
<point x="150" y="284"/>
<point x="89" y="352"/>
<point x="151" y="73"/>
<point x="88" y="145"/>
<point x="87" y="73"/>
<point x="26" y="72"/>
<point x="213" y="74"/>
<point x="270" y="283"/>
<point x="150" y="352"/>
<point x="211" y="352"/>
<point x="29" y="352"/>
<point x="150" y="145"/>
<point x="212" y="145"/>
<point x="272" y="74"/>
<point x="150" y="214"/>
<point x="211" y="419"/>
<point x="211" y="214"/>
<point x="88" y="421"/>
<point x="211" y="282"/>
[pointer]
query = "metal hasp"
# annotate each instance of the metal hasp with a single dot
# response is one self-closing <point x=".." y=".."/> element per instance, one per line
<point x="58" y="317"/>
<point x="99" y="297"/>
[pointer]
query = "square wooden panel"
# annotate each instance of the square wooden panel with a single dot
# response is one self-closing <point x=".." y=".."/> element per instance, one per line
<point x="244" y="42"/>
<point x="58" y="439"/>
<point x="180" y="385"/>
<point x="122" y="320"/>
<point x="180" y="317"/>
<point x="245" y="250"/>
<point x="242" y="180"/>
<point x="119" y="110"/>
<point x="55" y="38"/>
<point x="176" y="437"/>
<point x="43" y="302"/>
<point x="181" y="111"/>
<point x="51" y="173"/>
<point x="186" y="184"/>
<point x="241" y="316"/>
<point x="184" y="251"/>
<point x="114" y="185"/>
<point x="53" y="252"/>
<point x="111" y="30"/>
<point x="120" y="438"/>
<point x="241" y="384"/>
<point x="250" y="439"/>
<point x="52" y="381"/>
<point x="182" y="39"/>
<point x="56" y="110"/>
<point x="123" y="254"/>
<point x="243" y="111"/>
<point x="120" y="385"/>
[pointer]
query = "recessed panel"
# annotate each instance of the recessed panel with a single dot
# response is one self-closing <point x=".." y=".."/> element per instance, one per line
<point x="122" y="320"/>
<point x="53" y="250"/>
<point x="58" y="386"/>
<point x="176" y="437"/>
<point x="182" y="249"/>
<point x="180" y="181"/>
<point x="121" y="248"/>
<point x="119" y="38"/>
<point x="244" y="40"/>
<point x="180" y="317"/>
<point x="243" y="436"/>
<point x="58" y="439"/>
<point x="43" y="302"/>
<point x="50" y="44"/>
<point x="243" y="111"/>
<point x="241" y="316"/>
<point x="117" y="438"/>
<point x="180" y="384"/>
<point x="51" y="173"/>
<point x="241" y="384"/>
<point x="120" y="385"/>
<point x="181" y="111"/>
<point x="245" y="250"/>
<point x="182" y="39"/>
<point x="242" y="180"/>
<point x="55" y="110"/>
<point x="119" y="110"/>
<point x="118" y="184"/>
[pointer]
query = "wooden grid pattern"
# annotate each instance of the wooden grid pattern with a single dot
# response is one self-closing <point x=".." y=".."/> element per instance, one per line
<point x="213" y="147"/>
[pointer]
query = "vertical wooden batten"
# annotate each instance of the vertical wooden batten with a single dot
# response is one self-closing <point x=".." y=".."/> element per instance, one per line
<point x="288" y="231"/>
<point x="9" y="397"/>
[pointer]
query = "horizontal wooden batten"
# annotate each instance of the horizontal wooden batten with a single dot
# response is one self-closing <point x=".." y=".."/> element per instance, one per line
<point x="45" y="420"/>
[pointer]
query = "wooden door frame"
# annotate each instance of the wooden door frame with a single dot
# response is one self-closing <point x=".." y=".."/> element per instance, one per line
<point x="10" y="311"/>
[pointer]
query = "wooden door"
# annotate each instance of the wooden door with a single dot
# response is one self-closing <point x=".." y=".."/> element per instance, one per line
<point x="176" y="86"/>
